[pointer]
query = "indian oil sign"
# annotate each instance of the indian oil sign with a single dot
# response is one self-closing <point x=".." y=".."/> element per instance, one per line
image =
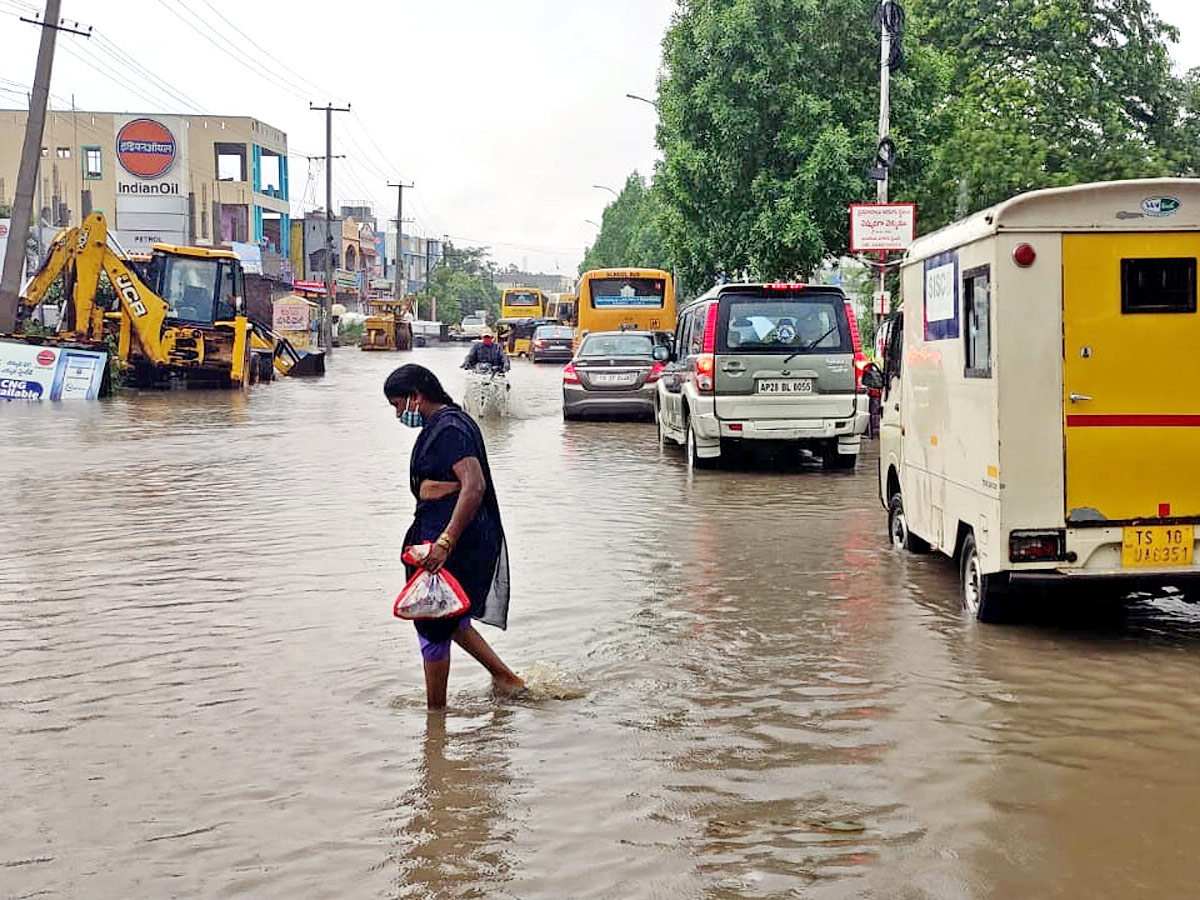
<point x="146" y="148"/>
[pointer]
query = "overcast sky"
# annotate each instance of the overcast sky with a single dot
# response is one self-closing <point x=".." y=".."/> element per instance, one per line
<point x="503" y="112"/>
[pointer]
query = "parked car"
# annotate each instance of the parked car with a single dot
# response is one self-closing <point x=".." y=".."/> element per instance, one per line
<point x="472" y="328"/>
<point x="764" y="362"/>
<point x="613" y="374"/>
<point x="552" y="343"/>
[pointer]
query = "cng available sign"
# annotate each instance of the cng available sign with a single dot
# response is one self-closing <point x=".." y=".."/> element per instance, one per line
<point x="33" y="372"/>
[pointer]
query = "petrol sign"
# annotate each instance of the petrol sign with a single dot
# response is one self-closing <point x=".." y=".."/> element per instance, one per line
<point x="145" y="148"/>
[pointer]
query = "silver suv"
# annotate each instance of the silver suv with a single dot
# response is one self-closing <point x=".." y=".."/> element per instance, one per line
<point x="764" y="362"/>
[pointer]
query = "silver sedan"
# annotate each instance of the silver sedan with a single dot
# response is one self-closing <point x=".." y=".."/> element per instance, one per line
<point x="613" y="375"/>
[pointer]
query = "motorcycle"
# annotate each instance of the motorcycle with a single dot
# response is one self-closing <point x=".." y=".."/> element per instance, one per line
<point x="486" y="392"/>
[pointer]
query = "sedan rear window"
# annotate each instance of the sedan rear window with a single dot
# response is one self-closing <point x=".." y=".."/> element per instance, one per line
<point x="601" y="345"/>
<point x="814" y="323"/>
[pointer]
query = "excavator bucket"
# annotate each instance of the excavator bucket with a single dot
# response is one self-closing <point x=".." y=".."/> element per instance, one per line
<point x="309" y="364"/>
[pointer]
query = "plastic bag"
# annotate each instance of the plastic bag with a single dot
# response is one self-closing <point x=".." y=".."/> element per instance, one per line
<point x="427" y="596"/>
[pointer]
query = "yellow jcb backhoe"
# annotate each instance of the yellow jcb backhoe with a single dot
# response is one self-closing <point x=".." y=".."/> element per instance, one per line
<point x="184" y="317"/>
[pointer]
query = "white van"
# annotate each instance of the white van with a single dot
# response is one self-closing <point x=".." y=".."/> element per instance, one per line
<point x="1041" y="411"/>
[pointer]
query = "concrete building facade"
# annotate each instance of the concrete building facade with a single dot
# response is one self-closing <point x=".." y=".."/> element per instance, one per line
<point x="202" y="180"/>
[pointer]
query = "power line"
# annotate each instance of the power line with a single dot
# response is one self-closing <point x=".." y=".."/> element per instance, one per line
<point x="240" y="60"/>
<point x="109" y="48"/>
<point x="114" y="79"/>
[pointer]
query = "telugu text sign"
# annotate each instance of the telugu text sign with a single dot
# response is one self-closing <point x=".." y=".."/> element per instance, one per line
<point x="882" y="226"/>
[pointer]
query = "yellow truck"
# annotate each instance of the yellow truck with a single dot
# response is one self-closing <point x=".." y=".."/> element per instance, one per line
<point x="1041" y="420"/>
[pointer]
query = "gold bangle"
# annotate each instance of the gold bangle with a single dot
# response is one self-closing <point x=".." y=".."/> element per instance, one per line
<point x="444" y="540"/>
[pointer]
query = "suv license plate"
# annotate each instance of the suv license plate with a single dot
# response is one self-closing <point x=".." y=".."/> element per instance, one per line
<point x="1157" y="546"/>
<point x="785" y="386"/>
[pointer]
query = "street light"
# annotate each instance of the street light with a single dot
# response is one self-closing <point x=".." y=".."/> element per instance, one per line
<point x="602" y="187"/>
<point x="643" y="99"/>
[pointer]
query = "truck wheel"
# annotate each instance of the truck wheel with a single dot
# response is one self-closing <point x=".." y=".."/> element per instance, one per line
<point x="983" y="596"/>
<point x="901" y="537"/>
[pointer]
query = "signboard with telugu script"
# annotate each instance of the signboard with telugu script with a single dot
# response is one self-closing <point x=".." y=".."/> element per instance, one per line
<point x="882" y="226"/>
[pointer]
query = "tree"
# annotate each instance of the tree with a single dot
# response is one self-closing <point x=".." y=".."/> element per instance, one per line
<point x="768" y="116"/>
<point x="462" y="285"/>
<point x="1047" y="93"/>
<point x="630" y="231"/>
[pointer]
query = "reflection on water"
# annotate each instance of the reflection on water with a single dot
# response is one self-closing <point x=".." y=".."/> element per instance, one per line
<point x="203" y="692"/>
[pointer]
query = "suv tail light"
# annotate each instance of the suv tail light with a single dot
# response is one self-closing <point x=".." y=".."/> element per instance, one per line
<point x="570" y="376"/>
<point x="655" y="373"/>
<point x="705" y="364"/>
<point x="1037" y="546"/>
<point x="539" y="343"/>
<point x="710" y="332"/>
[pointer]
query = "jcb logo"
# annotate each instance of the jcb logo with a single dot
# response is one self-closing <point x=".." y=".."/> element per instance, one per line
<point x="129" y="292"/>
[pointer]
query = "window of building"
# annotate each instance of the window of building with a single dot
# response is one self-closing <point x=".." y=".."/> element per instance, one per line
<point x="977" y="312"/>
<point x="230" y="161"/>
<point x="1158" y="285"/>
<point x="92" y="163"/>
<point x="64" y="152"/>
<point x="45" y="152"/>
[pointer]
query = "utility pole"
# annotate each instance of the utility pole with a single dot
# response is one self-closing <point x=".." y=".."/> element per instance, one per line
<point x="326" y="338"/>
<point x="885" y="127"/>
<point x="398" y="275"/>
<point x="31" y="154"/>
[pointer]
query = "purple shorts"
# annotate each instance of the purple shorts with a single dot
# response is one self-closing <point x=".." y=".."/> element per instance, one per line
<point x="434" y="651"/>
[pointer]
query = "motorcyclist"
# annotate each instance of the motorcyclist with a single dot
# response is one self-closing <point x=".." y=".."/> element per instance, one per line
<point x="487" y="353"/>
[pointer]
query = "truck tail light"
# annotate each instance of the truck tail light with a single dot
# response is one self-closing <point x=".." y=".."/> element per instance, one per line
<point x="570" y="376"/>
<point x="1037" y="546"/>
<point x="705" y="364"/>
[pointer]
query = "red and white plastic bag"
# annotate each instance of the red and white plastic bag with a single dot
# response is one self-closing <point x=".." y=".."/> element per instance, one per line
<point x="429" y="596"/>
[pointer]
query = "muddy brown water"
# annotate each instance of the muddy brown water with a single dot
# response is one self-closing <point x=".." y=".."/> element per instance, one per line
<point x="203" y="693"/>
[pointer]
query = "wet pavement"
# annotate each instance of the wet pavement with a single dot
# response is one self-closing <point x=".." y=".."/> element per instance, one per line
<point x="203" y="692"/>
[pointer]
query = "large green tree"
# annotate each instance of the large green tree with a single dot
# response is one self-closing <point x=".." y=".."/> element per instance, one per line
<point x="1046" y="93"/>
<point x="630" y="231"/>
<point x="768" y="117"/>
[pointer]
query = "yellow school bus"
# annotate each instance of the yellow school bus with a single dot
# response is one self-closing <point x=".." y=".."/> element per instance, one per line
<point x="625" y="299"/>
<point x="522" y="303"/>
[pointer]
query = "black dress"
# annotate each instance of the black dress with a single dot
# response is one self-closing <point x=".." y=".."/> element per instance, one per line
<point x="480" y="558"/>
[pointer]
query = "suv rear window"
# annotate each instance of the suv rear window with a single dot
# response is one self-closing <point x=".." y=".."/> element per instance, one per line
<point x="796" y="323"/>
<point x="553" y="331"/>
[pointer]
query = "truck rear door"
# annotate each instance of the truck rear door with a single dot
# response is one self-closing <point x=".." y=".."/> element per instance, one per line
<point x="1131" y="404"/>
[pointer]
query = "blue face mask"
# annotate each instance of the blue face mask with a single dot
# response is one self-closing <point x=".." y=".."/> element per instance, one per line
<point x="411" y="417"/>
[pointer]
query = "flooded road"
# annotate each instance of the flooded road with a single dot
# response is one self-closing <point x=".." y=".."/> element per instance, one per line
<point x="203" y="692"/>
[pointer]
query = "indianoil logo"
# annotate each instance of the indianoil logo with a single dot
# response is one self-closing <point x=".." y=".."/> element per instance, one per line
<point x="145" y="148"/>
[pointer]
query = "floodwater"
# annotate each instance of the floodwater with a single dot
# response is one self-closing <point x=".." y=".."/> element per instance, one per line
<point x="203" y="692"/>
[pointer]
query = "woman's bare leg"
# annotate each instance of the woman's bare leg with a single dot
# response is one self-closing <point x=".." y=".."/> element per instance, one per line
<point x="504" y="679"/>
<point x="437" y="673"/>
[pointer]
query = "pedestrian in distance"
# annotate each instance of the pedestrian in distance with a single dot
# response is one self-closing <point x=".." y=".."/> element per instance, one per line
<point x="458" y="513"/>
<point x="487" y="353"/>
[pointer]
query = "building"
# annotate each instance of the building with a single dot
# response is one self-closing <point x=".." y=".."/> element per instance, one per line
<point x="421" y="256"/>
<point x="202" y="180"/>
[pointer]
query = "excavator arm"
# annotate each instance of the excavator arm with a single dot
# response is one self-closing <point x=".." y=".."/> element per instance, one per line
<point x="80" y="255"/>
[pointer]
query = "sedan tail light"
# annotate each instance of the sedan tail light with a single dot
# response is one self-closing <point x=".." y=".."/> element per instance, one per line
<point x="655" y="373"/>
<point x="539" y="343"/>
<point x="570" y="376"/>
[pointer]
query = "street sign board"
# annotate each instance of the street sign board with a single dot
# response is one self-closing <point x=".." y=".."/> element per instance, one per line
<point x="882" y="226"/>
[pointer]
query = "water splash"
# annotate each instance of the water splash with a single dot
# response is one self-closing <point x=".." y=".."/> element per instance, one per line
<point x="545" y="680"/>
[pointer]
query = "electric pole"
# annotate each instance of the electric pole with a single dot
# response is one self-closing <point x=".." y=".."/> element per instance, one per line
<point x="326" y="339"/>
<point x="885" y="127"/>
<point x="31" y="154"/>
<point x="399" y="273"/>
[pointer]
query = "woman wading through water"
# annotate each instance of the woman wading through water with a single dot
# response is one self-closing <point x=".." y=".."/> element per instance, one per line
<point x="457" y="512"/>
